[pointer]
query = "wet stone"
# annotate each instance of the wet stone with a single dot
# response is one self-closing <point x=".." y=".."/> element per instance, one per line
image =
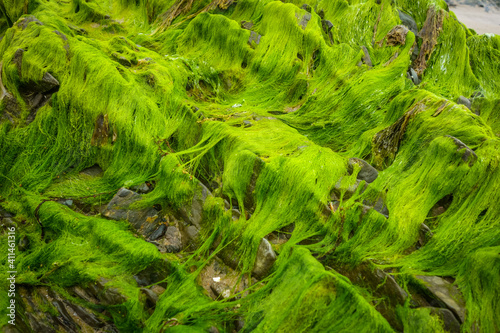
<point x="246" y="25"/>
<point x="304" y="20"/>
<point x="306" y="7"/>
<point x="151" y="297"/>
<point x="172" y="240"/>
<point x="464" y="101"/>
<point x="141" y="188"/>
<point x="412" y="75"/>
<point x="326" y="25"/>
<point x="158" y="232"/>
<point x="192" y="213"/>
<point x="366" y="58"/>
<point x="468" y="154"/>
<point x="265" y="259"/>
<point x="118" y="209"/>
<point x="408" y="22"/>
<point x="450" y="322"/>
<point x="254" y="37"/>
<point x="367" y="172"/>
<point x="446" y="294"/>
<point x="25" y="21"/>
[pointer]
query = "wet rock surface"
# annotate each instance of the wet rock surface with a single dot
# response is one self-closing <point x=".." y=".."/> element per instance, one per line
<point x="446" y="294"/>
<point x="189" y="166"/>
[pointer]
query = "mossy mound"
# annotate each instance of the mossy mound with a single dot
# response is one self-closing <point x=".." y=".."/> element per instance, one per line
<point x="252" y="165"/>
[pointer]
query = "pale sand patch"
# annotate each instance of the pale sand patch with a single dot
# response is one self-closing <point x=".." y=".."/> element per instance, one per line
<point x="478" y="19"/>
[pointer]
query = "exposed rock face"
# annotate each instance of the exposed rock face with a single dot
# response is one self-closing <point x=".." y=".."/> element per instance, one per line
<point x="367" y="172"/>
<point x="193" y="213"/>
<point x="64" y="315"/>
<point x="118" y="209"/>
<point x="445" y="293"/>
<point x="189" y="165"/>
<point x="265" y="258"/>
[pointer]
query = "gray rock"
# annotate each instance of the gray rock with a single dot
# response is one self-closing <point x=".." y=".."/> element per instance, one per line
<point x="366" y="58"/>
<point x="367" y="172"/>
<point x="17" y="60"/>
<point x="155" y="273"/>
<point x="60" y="34"/>
<point x="450" y="322"/>
<point x="306" y="7"/>
<point x="246" y="25"/>
<point x="144" y="220"/>
<point x="9" y="222"/>
<point x="412" y="75"/>
<point x="193" y="212"/>
<point x="213" y="329"/>
<point x="172" y="240"/>
<point x="304" y="20"/>
<point x="469" y="155"/>
<point x="25" y="21"/>
<point x="327" y="26"/>
<point x="425" y="234"/>
<point x="141" y="188"/>
<point x="265" y="259"/>
<point x="93" y="171"/>
<point x="408" y="22"/>
<point x="381" y="207"/>
<point x="464" y="101"/>
<point x="151" y="297"/>
<point x="48" y="82"/>
<point x="107" y="296"/>
<point x="348" y="192"/>
<point x="192" y="233"/>
<point x="88" y="317"/>
<point x="446" y="294"/>
<point x="220" y="290"/>
<point x="254" y="37"/>
<point x="158" y="232"/>
<point x="382" y="285"/>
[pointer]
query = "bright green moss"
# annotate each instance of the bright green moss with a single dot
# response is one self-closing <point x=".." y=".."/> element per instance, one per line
<point x="193" y="96"/>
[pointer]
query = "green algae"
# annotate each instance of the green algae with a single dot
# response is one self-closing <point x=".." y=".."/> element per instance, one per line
<point x="187" y="97"/>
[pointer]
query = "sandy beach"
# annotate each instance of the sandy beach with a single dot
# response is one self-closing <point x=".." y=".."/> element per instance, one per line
<point x="478" y="18"/>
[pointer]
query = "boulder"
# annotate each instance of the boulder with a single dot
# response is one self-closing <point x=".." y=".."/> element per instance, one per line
<point x="105" y="295"/>
<point x="408" y="22"/>
<point x="464" y="101"/>
<point x="142" y="220"/>
<point x="155" y="273"/>
<point x="450" y="322"/>
<point x="468" y="154"/>
<point x="306" y="7"/>
<point x="246" y="25"/>
<point x="383" y="286"/>
<point x="366" y="58"/>
<point x="254" y="37"/>
<point x="412" y="75"/>
<point x="445" y="293"/>
<point x="192" y="213"/>
<point x="327" y="26"/>
<point x="265" y="259"/>
<point x="367" y="172"/>
<point x="304" y="20"/>
<point x="172" y="240"/>
<point x="141" y="188"/>
<point x="25" y="21"/>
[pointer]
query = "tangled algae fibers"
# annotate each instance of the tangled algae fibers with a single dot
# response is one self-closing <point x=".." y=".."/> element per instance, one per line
<point x="248" y="166"/>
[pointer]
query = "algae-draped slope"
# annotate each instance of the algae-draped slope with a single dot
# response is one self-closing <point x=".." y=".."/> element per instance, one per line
<point x="237" y="122"/>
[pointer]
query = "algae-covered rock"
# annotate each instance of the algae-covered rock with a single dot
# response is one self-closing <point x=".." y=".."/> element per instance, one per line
<point x="189" y="166"/>
<point x="265" y="258"/>
<point x="445" y="293"/>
